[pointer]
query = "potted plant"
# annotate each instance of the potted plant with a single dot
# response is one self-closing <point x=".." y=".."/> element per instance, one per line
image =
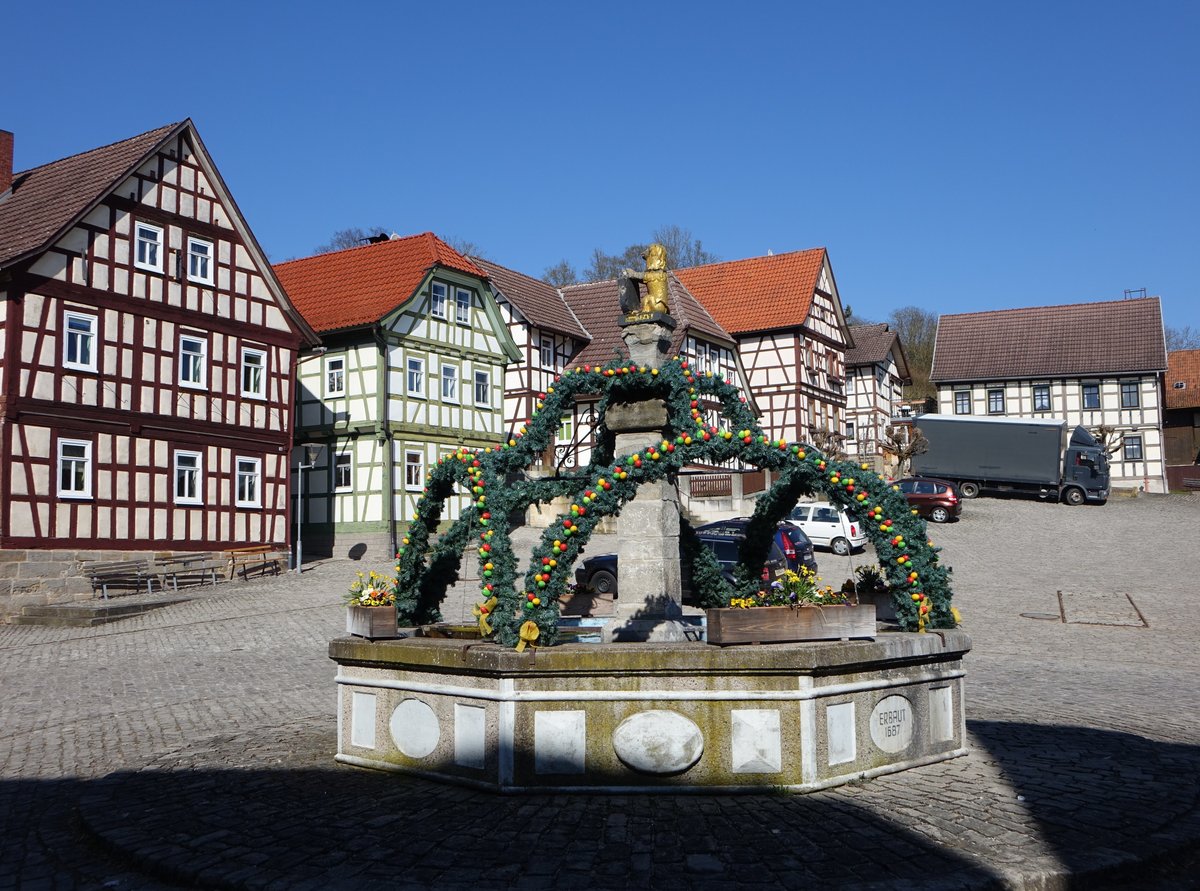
<point x="371" y="606"/>
<point x="794" y="607"/>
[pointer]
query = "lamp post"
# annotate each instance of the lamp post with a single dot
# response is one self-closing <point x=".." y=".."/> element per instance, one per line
<point x="312" y="451"/>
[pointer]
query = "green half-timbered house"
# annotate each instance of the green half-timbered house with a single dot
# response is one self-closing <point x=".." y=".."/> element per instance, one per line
<point x="412" y="369"/>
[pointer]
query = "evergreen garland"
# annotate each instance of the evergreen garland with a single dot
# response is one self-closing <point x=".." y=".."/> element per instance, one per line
<point x="494" y="479"/>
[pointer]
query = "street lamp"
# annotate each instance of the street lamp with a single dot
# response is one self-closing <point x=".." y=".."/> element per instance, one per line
<point x="312" y="451"/>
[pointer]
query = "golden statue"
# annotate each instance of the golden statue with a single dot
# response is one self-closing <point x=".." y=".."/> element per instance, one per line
<point x="655" y="277"/>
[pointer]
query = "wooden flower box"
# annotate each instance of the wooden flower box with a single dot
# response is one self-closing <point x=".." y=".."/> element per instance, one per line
<point x="779" y="624"/>
<point x="372" y="622"/>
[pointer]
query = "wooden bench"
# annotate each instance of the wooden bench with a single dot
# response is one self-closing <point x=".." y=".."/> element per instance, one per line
<point x="197" y="569"/>
<point x="120" y="574"/>
<point x="257" y="560"/>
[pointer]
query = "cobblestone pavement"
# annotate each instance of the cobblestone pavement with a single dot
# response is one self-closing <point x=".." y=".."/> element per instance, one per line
<point x="192" y="747"/>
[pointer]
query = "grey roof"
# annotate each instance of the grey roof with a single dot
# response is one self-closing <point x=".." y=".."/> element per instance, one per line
<point x="872" y="344"/>
<point x="1115" y="337"/>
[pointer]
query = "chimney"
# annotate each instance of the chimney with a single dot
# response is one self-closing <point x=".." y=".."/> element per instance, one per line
<point x="6" y="160"/>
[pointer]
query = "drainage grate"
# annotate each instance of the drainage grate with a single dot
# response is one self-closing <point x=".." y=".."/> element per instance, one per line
<point x="1100" y="609"/>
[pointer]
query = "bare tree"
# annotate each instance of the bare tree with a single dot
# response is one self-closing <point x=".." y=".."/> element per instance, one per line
<point x="1185" y="338"/>
<point x="917" y="329"/>
<point x="827" y="442"/>
<point x="682" y="249"/>
<point x="352" y="237"/>
<point x="608" y="266"/>
<point x="465" y="247"/>
<point x="904" y="441"/>
<point x="1109" y="438"/>
<point x="560" y="274"/>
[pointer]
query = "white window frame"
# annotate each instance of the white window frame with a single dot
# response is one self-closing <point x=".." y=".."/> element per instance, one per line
<point x="566" y="430"/>
<point x="414" y="471"/>
<point x="248" y="471"/>
<point x="207" y="259"/>
<point x="451" y="379"/>
<point x="484" y="378"/>
<point x="337" y="363"/>
<point x="462" y="308"/>
<point x="201" y="365"/>
<point x="260" y="392"/>
<point x="546" y="352"/>
<point x="180" y="472"/>
<point x="79" y="337"/>
<point x="158" y="242"/>
<point x="414" y="374"/>
<point x="437" y="300"/>
<point x="336" y="465"/>
<point x="84" y="461"/>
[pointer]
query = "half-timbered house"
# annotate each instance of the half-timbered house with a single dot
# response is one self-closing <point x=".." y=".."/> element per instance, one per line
<point x="876" y="372"/>
<point x="1181" y="420"/>
<point x="415" y="349"/>
<point x="786" y="316"/>
<point x="147" y="360"/>
<point x="547" y="335"/>
<point x="1100" y="365"/>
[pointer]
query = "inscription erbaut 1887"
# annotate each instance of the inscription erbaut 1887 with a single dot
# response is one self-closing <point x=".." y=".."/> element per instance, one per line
<point x="892" y="724"/>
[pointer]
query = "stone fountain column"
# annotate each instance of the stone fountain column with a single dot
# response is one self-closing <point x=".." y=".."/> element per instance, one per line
<point x="649" y="602"/>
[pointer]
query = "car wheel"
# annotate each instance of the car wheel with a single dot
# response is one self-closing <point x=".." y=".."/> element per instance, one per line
<point x="969" y="490"/>
<point x="603" y="582"/>
<point x="1073" y="496"/>
<point x="939" y="515"/>
<point x="840" y="546"/>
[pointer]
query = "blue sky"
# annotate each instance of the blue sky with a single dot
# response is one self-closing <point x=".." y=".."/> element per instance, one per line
<point x="953" y="156"/>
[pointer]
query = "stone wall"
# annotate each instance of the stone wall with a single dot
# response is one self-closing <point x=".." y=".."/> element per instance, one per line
<point x="37" y="578"/>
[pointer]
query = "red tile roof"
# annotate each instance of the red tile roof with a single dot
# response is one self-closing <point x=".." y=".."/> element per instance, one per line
<point x="758" y="294"/>
<point x="1115" y="337"/>
<point x="598" y="307"/>
<point x="46" y="200"/>
<point x="539" y="302"/>
<point x="358" y="286"/>
<point x="1183" y="366"/>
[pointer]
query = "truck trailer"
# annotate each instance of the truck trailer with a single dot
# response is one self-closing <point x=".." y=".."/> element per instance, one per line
<point x="1047" y="458"/>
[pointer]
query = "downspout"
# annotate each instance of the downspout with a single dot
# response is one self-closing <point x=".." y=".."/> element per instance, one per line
<point x="383" y="433"/>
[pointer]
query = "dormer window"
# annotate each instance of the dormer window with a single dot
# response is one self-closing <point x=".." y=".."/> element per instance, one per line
<point x="148" y="247"/>
<point x="1179" y="385"/>
<point x="437" y="300"/>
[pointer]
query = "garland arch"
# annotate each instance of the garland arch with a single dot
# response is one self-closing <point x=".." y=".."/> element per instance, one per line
<point x="528" y="611"/>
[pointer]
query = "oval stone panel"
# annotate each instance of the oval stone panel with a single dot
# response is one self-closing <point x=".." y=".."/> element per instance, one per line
<point x="892" y="724"/>
<point x="415" y="728"/>
<point x="658" y="742"/>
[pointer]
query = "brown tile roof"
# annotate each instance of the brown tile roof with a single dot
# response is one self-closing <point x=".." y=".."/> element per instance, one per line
<point x="758" y="294"/>
<point x="872" y="343"/>
<point x="358" y="286"/>
<point x="1120" y="336"/>
<point x="1183" y="365"/>
<point x="598" y="306"/>
<point x="539" y="302"/>
<point x="44" y="201"/>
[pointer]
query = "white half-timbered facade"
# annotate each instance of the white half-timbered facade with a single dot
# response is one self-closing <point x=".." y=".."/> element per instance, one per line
<point x="415" y="350"/>
<point x="876" y="372"/>
<point x="147" y="356"/>
<point x="1094" y="364"/>
<point x="786" y="316"/>
<point x="547" y="335"/>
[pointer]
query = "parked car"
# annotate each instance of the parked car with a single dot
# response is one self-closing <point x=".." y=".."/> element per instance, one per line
<point x="790" y="549"/>
<point x="829" y="527"/>
<point x="791" y="540"/>
<point x="933" y="499"/>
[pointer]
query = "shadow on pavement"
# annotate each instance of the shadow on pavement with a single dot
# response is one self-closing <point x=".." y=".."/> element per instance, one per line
<point x="271" y="808"/>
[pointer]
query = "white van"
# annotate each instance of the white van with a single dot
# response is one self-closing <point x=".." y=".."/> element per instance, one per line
<point x="829" y="527"/>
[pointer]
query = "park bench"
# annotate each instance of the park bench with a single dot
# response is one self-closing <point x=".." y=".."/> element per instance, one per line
<point x="255" y="560"/>
<point x="198" y="569"/>
<point x="120" y="574"/>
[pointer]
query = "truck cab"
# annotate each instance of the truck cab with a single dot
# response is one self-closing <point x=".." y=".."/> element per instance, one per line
<point x="1085" y="475"/>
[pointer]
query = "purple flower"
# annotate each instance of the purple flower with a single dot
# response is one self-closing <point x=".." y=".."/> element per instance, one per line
<point x="776" y="585"/>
